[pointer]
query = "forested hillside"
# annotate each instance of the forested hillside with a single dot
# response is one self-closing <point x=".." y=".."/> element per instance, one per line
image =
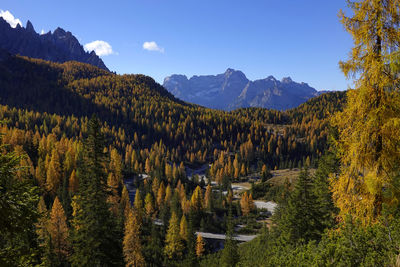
<point x="141" y="130"/>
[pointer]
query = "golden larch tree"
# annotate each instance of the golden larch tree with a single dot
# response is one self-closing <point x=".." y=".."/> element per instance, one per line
<point x="368" y="142"/>
<point x="161" y="194"/>
<point x="138" y="204"/>
<point x="168" y="194"/>
<point x="173" y="242"/>
<point x="183" y="228"/>
<point x="149" y="205"/>
<point x="200" y="246"/>
<point x="73" y="182"/>
<point x="244" y="204"/>
<point x="132" y="246"/>
<point x="53" y="178"/>
<point x="197" y="199"/>
<point x="58" y="230"/>
<point x="125" y="203"/>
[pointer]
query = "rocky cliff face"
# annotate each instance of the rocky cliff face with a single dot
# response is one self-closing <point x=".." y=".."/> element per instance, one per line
<point x="232" y="90"/>
<point x="59" y="46"/>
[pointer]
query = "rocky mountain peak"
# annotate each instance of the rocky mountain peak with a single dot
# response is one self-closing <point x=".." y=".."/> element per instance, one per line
<point x="59" y="46"/>
<point x="59" y="32"/>
<point x="29" y="27"/>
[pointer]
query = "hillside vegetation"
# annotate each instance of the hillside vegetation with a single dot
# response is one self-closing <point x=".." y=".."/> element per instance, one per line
<point x="67" y="155"/>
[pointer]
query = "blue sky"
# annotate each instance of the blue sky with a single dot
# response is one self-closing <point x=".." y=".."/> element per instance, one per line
<point x="301" y="39"/>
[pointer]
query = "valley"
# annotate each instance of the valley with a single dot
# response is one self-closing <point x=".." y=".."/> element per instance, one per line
<point x="103" y="168"/>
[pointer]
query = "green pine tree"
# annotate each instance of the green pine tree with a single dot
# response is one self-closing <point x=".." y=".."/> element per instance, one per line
<point x="230" y="256"/>
<point x="328" y="165"/>
<point x="18" y="202"/>
<point x="300" y="218"/>
<point x="96" y="239"/>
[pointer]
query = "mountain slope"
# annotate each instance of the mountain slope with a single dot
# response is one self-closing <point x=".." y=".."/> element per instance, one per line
<point x="137" y="111"/>
<point x="232" y="90"/>
<point x="59" y="46"/>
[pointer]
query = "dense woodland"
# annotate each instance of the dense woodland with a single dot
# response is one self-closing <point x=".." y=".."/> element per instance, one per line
<point x="73" y="137"/>
<point x="46" y="117"/>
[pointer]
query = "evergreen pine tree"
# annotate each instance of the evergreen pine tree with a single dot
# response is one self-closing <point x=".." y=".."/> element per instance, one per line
<point x="300" y="218"/>
<point x="95" y="236"/>
<point x="18" y="208"/>
<point x="191" y="242"/>
<point x="230" y="256"/>
<point x="328" y="166"/>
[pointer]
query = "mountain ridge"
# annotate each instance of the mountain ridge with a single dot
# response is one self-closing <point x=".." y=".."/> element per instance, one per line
<point x="60" y="46"/>
<point x="232" y="89"/>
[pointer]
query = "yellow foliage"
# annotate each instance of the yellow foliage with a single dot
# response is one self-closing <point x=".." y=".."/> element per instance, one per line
<point x="369" y="143"/>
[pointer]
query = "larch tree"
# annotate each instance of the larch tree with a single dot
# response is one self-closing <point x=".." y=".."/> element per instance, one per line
<point x="53" y="178"/>
<point x="200" y="246"/>
<point x="160" y="194"/>
<point x="73" y="182"/>
<point x="132" y="246"/>
<point x="168" y="194"/>
<point x="183" y="232"/>
<point x="147" y="166"/>
<point x="208" y="198"/>
<point x="138" y="204"/>
<point x="59" y="231"/>
<point x="244" y="204"/>
<point x="125" y="203"/>
<point x="149" y="205"/>
<point x="173" y="242"/>
<point x="368" y="143"/>
<point x="197" y="199"/>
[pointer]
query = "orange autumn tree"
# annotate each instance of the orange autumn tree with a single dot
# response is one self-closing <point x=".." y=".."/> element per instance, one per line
<point x="58" y="230"/>
<point x="244" y="204"/>
<point x="369" y="142"/>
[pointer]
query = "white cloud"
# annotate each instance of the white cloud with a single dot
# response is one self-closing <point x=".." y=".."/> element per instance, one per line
<point x="101" y="48"/>
<point x="42" y="32"/>
<point x="152" y="46"/>
<point x="7" y="16"/>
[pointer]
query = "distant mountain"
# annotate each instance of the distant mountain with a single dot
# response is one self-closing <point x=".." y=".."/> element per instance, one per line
<point x="231" y="90"/>
<point x="59" y="46"/>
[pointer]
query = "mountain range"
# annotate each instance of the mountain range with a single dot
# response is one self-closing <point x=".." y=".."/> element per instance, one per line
<point x="232" y="89"/>
<point x="59" y="46"/>
<point x="227" y="91"/>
